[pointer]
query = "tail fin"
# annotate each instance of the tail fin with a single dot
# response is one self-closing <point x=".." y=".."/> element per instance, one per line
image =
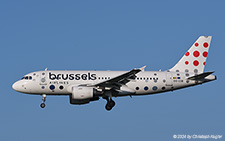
<point x="195" y="58"/>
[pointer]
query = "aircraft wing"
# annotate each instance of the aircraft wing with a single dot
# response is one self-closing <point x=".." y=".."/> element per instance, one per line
<point x="120" y="80"/>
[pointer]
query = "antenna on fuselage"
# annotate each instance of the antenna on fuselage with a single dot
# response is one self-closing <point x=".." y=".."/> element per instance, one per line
<point x="46" y="69"/>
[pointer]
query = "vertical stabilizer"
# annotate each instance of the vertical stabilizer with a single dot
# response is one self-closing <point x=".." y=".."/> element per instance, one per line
<point x="195" y="58"/>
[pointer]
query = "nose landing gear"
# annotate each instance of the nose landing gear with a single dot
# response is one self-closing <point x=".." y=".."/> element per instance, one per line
<point x="43" y="101"/>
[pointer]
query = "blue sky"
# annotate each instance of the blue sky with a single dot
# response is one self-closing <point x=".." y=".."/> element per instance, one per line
<point x="109" y="35"/>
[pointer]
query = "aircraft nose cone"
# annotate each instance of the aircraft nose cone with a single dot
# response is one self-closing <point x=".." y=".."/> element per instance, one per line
<point x="16" y="86"/>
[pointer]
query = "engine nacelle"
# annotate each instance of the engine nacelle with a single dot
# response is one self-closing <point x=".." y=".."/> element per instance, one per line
<point x="82" y="101"/>
<point x="82" y="92"/>
<point x="83" y="95"/>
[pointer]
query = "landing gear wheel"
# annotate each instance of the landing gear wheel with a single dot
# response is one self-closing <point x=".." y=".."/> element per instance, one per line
<point x="112" y="103"/>
<point x="109" y="105"/>
<point x="42" y="105"/>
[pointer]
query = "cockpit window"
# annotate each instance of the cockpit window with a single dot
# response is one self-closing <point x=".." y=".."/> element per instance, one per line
<point x="27" y="77"/>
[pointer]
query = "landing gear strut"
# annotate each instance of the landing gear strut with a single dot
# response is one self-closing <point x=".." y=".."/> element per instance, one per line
<point x="43" y="101"/>
<point x="110" y="104"/>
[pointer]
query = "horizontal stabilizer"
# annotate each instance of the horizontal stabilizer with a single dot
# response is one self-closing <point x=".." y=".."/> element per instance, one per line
<point x="201" y="76"/>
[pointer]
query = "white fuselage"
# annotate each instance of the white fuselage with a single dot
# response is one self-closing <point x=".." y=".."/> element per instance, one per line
<point x="85" y="86"/>
<point x="146" y="82"/>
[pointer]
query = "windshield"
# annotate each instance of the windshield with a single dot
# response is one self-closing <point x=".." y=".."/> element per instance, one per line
<point x="27" y="77"/>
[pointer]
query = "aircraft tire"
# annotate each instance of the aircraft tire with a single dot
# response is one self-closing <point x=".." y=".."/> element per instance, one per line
<point x="42" y="105"/>
<point x="108" y="107"/>
<point x="112" y="103"/>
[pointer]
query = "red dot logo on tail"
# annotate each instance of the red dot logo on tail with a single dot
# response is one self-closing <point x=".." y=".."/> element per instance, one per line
<point x="186" y="62"/>
<point x="205" y="54"/>
<point x="187" y="54"/>
<point x="196" y="63"/>
<point x="205" y="45"/>
<point x="196" y="53"/>
<point x="194" y="58"/>
<point x="196" y="44"/>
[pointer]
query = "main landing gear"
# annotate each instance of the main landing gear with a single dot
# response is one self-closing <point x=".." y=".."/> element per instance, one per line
<point x="110" y="104"/>
<point x="43" y="99"/>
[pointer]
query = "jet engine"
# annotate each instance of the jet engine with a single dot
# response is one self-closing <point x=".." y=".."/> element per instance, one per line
<point x="83" y="95"/>
<point x="82" y="92"/>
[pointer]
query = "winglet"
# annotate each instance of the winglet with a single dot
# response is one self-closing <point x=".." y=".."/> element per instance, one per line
<point x="143" y="68"/>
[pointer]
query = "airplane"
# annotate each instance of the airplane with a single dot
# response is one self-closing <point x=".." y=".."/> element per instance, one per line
<point x="83" y="87"/>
